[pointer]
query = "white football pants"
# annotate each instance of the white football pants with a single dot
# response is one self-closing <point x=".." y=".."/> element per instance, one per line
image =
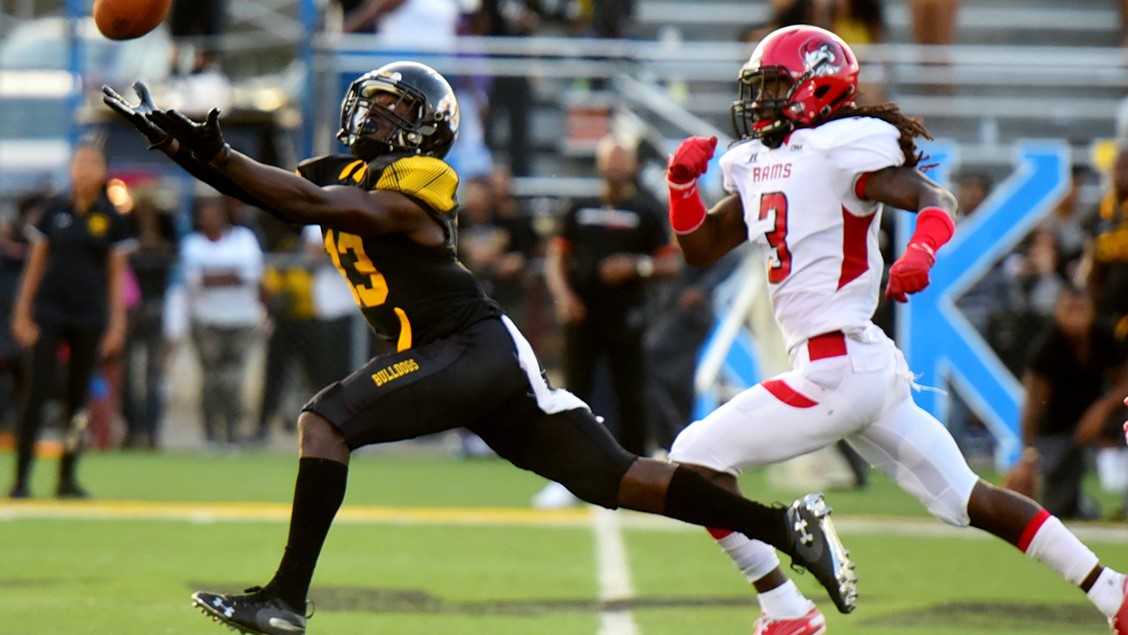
<point x="864" y="396"/>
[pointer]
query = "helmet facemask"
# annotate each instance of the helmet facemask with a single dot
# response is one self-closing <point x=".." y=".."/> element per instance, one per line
<point x="379" y="117"/>
<point x="760" y="113"/>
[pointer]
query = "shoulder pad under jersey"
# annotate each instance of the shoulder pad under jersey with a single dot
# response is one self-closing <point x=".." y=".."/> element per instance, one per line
<point x="426" y="179"/>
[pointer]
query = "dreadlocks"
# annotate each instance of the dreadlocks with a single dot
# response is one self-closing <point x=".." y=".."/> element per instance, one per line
<point x="889" y="112"/>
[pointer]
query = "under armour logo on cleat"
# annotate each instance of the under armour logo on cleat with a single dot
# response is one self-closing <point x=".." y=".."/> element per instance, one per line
<point x="805" y="536"/>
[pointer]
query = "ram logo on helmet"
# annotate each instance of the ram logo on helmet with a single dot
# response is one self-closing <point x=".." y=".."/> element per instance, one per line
<point x="821" y="57"/>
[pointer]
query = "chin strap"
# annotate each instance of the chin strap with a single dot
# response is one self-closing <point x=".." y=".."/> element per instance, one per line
<point x="775" y="138"/>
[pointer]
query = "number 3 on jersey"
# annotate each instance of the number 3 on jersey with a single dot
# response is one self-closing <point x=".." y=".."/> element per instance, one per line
<point x="369" y="288"/>
<point x="774" y="205"/>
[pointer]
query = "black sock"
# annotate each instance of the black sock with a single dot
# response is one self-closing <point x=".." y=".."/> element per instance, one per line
<point x="695" y="499"/>
<point x="67" y="463"/>
<point x="318" y="494"/>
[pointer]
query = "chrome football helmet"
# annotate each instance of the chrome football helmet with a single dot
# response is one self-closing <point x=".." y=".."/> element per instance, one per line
<point x="796" y="78"/>
<point x="400" y="107"/>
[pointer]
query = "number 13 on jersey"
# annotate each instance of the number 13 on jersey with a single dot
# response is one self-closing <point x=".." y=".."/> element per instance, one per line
<point x="368" y="286"/>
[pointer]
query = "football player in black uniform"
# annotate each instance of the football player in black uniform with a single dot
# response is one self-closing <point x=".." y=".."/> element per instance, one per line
<point x="387" y="214"/>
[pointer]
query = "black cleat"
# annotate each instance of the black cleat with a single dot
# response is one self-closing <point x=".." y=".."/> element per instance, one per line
<point x="19" y="491"/>
<point x="815" y="546"/>
<point x="258" y="612"/>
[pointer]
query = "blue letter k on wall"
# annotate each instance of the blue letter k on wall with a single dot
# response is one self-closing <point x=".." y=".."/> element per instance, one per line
<point x="939" y="343"/>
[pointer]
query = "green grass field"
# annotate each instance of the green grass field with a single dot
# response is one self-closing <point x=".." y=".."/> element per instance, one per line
<point x="429" y="545"/>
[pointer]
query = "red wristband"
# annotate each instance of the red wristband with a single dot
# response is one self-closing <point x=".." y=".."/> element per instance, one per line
<point x="687" y="211"/>
<point x="934" y="227"/>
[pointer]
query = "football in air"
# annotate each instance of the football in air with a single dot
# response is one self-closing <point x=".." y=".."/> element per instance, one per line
<point x="128" y="19"/>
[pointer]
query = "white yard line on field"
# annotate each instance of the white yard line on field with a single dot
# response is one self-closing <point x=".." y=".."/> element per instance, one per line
<point x="615" y="584"/>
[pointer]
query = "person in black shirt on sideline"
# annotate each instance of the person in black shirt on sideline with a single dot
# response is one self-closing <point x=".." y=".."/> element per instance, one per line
<point x="598" y="266"/>
<point x="70" y="294"/>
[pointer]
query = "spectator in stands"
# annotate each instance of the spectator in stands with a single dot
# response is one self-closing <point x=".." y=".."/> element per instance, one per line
<point x="406" y="25"/>
<point x="339" y="12"/>
<point x="1067" y="222"/>
<point x="1107" y="253"/>
<point x="1073" y="382"/>
<point x="861" y="23"/>
<point x="196" y="27"/>
<point x="511" y="97"/>
<point x="471" y="154"/>
<point x="70" y="295"/>
<point x="1035" y="281"/>
<point x="793" y="12"/>
<point x="492" y="248"/>
<point x="990" y="293"/>
<point x="335" y="309"/>
<point x="934" y="24"/>
<point x="144" y="356"/>
<point x="602" y="18"/>
<point x="204" y="86"/>
<point x="1037" y="274"/>
<point x="858" y="22"/>
<point x="287" y="294"/>
<point x="934" y="21"/>
<point x="222" y="265"/>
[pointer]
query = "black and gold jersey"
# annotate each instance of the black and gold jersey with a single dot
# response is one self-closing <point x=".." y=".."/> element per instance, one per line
<point x="410" y="294"/>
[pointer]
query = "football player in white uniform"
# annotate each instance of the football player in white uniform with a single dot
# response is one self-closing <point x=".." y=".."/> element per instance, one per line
<point x="808" y="177"/>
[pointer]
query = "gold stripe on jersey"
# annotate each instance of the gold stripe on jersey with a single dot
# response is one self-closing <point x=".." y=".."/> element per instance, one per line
<point x="404" y="341"/>
<point x="426" y="178"/>
<point x="348" y="169"/>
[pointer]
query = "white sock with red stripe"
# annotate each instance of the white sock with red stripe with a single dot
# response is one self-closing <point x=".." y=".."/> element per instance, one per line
<point x="1048" y="541"/>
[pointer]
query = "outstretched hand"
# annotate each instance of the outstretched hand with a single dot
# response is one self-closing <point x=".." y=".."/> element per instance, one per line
<point x="204" y="139"/>
<point x="137" y="115"/>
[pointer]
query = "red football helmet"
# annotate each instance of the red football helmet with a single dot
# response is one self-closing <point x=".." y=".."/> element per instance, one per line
<point x="797" y="77"/>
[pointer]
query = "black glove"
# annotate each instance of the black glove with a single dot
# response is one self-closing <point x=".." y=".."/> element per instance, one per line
<point x="137" y="115"/>
<point x="205" y="140"/>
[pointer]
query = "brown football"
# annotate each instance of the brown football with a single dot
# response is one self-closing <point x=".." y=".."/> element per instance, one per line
<point x="128" y="19"/>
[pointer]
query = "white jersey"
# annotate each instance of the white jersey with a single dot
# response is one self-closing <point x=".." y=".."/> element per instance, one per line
<point x="824" y="265"/>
